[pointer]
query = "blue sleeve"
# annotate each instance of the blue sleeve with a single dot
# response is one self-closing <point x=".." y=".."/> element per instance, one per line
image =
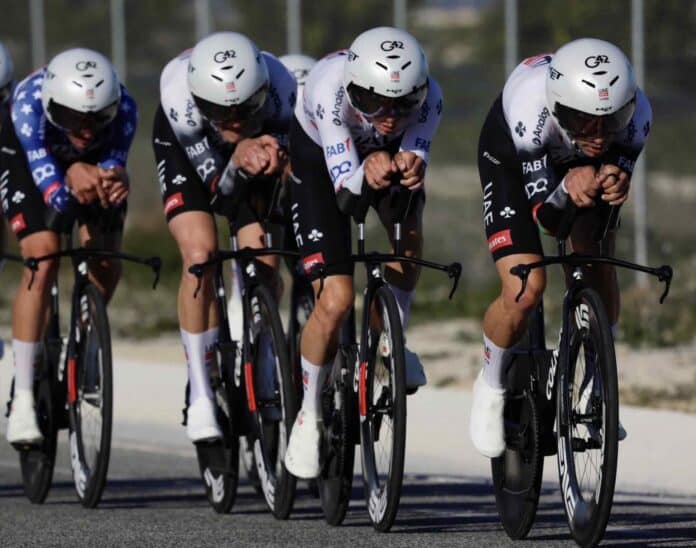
<point x="123" y="131"/>
<point x="29" y="124"/>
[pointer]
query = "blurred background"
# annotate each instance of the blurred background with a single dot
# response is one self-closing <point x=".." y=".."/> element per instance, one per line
<point x="471" y="46"/>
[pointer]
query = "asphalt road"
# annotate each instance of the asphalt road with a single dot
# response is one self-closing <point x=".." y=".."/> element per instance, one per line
<point x="156" y="499"/>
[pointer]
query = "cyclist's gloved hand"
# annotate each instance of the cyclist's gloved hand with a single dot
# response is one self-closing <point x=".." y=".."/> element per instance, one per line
<point x="59" y="198"/>
<point x="411" y="167"/>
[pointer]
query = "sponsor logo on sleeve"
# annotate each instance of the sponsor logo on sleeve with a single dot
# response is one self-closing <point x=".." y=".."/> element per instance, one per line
<point x="175" y="201"/>
<point x="310" y="261"/>
<point x="17" y="223"/>
<point x="338" y="148"/>
<point x="541" y="122"/>
<point x="423" y="144"/>
<point x="499" y="240"/>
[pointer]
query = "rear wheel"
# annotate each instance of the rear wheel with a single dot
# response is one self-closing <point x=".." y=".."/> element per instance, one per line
<point x="517" y="472"/>
<point x="588" y="420"/>
<point x="90" y="393"/>
<point x="274" y="403"/>
<point x="37" y="462"/>
<point x="339" y="412"/>
<point x="382" y="408"/>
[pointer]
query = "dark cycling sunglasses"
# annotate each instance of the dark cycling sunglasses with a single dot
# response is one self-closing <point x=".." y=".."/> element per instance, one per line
<point x="370" y="103"/>
<point x="75" y="121"/>
<point x="224" y="114"/>
<point x="582" y="124"/>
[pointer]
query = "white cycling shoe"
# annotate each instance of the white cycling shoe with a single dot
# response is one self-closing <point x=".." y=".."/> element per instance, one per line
<point x="415" y="375"/>
<point x="487" y="427"/>
<point x="201" y="424"/>
<point x="22" y="427"/>
<point x="302" y="456"/>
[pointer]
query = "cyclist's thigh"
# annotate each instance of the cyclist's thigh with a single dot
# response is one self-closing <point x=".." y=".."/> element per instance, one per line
<point x="181" y="188"/>
<point x="22" y="203"/>
<point x="507" y="212"/>
<point x="322" y="232"/>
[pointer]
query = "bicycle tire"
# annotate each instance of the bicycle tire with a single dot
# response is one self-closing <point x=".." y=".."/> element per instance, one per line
<point x="37" y="462"/>
<point x="517" y="473"/>
<point x="90" y="389"/>
<point x="335" y="483"/>
<point x="218" y="460"/>
<point x="383" y="491"/>
<point x="589" y="331"/>
<point x="274" y="416"/>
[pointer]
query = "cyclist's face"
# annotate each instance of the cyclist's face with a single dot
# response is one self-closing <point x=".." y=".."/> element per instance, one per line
<point x="81" y="138"/>
<point x="592" y="146"/>
<point x="387" y="125"/>
<point x="233" y="132"/>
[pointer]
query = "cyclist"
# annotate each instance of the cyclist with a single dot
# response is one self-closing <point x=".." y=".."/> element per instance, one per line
<point x="299" y="66"/>
<point x="567" y="126"/>
<point x="224" y="106"/>
<point x="63" y="155"/>
<point x="369" y="114"/>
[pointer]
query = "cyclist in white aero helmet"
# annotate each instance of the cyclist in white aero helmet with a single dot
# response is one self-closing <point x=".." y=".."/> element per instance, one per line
<point x="64" y="149"/>
<point x="225" y="107"/>
<point x="567" y="126"/>
<point x="368" y="118"/>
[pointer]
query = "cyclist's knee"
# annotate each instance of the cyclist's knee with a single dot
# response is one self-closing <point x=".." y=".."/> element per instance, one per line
<point x="334" y="303"/>
<point x="196" y="253"/>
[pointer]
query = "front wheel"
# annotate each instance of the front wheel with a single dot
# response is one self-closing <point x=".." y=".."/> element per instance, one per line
<point x="588" y="402"/>
<point x="382" y="409"/>
<point x="90" y="395"/>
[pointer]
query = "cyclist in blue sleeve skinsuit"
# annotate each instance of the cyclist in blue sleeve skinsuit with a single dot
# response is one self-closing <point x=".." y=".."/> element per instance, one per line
<point x="63" y="156"/>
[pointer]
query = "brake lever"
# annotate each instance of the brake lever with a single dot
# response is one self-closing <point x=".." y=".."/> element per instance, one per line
<point x="32" y="264"/>
<point x="522" y="272"/>
<point x="454" y="271"/>
<point x="156" y="265"/>
<point x="197" y="271"/>
<point x="664" y="274"/>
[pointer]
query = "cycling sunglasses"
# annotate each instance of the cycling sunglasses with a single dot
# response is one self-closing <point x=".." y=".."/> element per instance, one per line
<point x="582" y="124"/>
<point x="370" y="103"/>
<point x="225" y="114"/>
<point x="75" y="121"/>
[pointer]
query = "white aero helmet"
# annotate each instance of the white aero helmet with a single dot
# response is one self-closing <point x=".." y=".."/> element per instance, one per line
<point x="6" y="73"/>
<point x="299" y="66"/>
<point x="80" y="90"/>
<point x="590" y="88"/>
<point x="386" y="73"/>
<point x="227" y="77"/>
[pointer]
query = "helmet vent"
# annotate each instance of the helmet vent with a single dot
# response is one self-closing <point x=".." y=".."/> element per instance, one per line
<point x="77" y="83"/>
<point x="588" y="83"/>
<point x="393" y="56"/>
<point x="216" y="77"/>
<point x="227" y="67"/>
<point x="407" y="64"/>
<point x="614" y="80"/>
<point x="99" y="83"/>
<point x="382" y="65"/>
<point x="240" y="73"/>
<point x="599" y="73"/>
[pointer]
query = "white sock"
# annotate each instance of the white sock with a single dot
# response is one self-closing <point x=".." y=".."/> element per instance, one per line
<point x="24" y="357"/>
<point x="200" y="351"/>
<point x="495" y="360"/>
<point x="403" y="300"/>
<point x="312" y="379"/>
